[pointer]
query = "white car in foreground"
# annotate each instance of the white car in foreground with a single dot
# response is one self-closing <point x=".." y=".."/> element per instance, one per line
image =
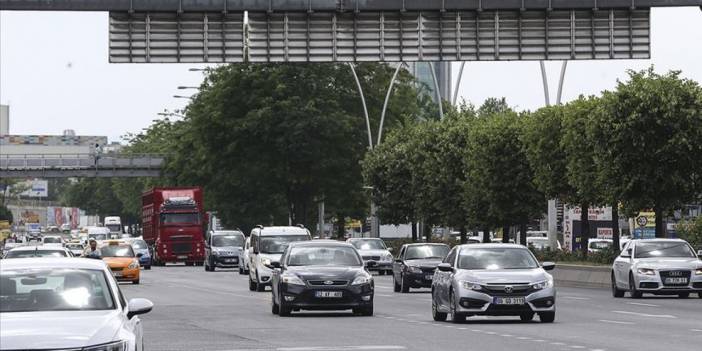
<point x="657" y="266"/>
<point x="66" y="304"/>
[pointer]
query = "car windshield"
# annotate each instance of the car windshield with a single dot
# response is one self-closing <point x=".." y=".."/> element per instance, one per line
<point x="139" y="244"/>
<point x="496" y="258"/>
<point x="277" y="244"/>
<point x="52" y="240"/>
<point x="369" y="244"/>
<point x="663" y="249"/>
<point x="600" y="244"/>
<point x="171" y="218"/>
<point x="116" y="251"/>
<point x="114" y="227"/>
<point x="27" y="290"/>
<point x="538" y="244"/>
<point x="98" y="236"/>
<point x="236" y="240"/>
<point x="426" y="251"/>
<point x="35" y="253"/>
<point x="323" y="256"/>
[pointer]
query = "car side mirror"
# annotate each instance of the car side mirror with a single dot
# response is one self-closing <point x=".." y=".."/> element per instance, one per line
<point x="699" y="253"/>
<point x="274" y="265"/>
<point x="139" y="255"/>
<point x="138" y="306"/>
<point x="445" y="267"/>
<point x="548" y="266"/>
<point x="370" y="264"/>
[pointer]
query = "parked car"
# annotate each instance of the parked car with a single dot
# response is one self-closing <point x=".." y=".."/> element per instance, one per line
<point x="66" y="304"/>
<point x="493" y="280"/>
<point x="415" y="264"/>
<point x="657" y="266"/>
<point x="374" y="249"/>
<point x="122" y="260"/>
<point x="38" y="251"/>
<point x="223" y="248"/>
<point x="139" y="246"/>
<point x="597" y="245"/>
<point x="244" y="257"/>
<point x="321" y="275"/>
<point x="267" y="245"/>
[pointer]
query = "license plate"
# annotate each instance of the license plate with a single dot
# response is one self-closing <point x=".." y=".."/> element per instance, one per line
<point x="182" y="257"/>
<point x="508" y="301"/>
<point x="328" y="294"/>
<point x="676" y="280"/>
<point x="230" y="260"/>
<point x="117" y="274"/>
<point x="428" y="277"/>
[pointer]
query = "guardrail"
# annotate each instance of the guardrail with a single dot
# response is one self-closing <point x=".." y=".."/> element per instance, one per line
<point x="66" y="165"/>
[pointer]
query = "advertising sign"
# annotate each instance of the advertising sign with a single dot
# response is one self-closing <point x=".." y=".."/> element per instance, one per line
<point x="605" y="233"/>
<point x="644" y="225"/>
<point x="36" y="188"/>
<point x="594" y="214"/>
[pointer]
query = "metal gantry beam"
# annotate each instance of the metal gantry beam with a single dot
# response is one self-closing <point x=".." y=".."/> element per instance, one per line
<point x="80" y="165"/>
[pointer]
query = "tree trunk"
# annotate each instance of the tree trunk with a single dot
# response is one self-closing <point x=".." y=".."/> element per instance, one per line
<point x="505" y="234"/>
<point x="615" y="226"/>
<point x="660" y="228"/>
<point x="340" y="222"/>
<point x="523" y="234"/>
<point x="584" y="227"/>
<point x="486" y="235"/>
<point x="427" y="232"/>
<point x="464" y="234"/>
<point x="414" y="232"/>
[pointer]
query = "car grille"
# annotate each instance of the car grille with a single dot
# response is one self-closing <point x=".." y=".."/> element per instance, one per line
<point x="116" y="269"/>
<point x="334" y="282"/>
<point x="675" y="274"/>
<point x="429" y="270"/>
<point x="181" y="248"/>
<point x="371" y="258"/>
<point x="518" y="289"/>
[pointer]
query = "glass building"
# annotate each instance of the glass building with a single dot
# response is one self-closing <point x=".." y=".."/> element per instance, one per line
<point x="421" y="70"/>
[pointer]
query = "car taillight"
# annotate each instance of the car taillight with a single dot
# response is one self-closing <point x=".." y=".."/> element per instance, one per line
<point x="164" y="246"/>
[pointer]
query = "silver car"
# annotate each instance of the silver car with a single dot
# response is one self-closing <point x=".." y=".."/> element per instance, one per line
<point x="493" y="280"/>
<point x="374" y="249"/>
<point x="657" y="266"/>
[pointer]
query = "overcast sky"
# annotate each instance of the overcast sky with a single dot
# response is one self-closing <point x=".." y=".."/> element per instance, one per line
<point x="55" y="75"/>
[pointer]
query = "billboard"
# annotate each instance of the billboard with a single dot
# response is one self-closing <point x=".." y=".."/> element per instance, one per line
<point x="35" y="188"/>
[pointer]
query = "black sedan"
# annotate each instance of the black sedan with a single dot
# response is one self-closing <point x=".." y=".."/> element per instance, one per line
<point x="415" y="265"/>
<point x="321" y="275"/>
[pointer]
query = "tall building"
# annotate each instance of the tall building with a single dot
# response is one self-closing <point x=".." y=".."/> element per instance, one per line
<point x="422" y="71"/>
<point x="4" y="119"/>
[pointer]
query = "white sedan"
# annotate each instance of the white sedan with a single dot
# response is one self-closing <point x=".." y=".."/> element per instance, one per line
<point x="66" y="303"/>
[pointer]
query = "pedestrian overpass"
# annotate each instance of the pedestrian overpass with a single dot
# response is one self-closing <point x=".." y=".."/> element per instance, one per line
<point x="80" y="165"/>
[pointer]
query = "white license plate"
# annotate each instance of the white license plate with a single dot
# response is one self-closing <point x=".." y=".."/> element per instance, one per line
<point x="117" y="274"/>
<point x="428" y="277"/>
<point x="676" y="280"/>
<point x="328" y="294"/>
<point x="508" y="301"/>
<point x="182" y="257"/>
<point x="229" y="260"/>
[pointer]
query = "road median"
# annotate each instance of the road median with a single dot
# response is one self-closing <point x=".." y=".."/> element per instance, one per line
<point x="581" y="276"/>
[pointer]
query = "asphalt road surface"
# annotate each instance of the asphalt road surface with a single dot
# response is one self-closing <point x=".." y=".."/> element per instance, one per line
<point x="198" y="310"/>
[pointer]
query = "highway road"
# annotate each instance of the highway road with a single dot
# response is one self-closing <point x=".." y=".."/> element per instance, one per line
<point x="198" y="310"/>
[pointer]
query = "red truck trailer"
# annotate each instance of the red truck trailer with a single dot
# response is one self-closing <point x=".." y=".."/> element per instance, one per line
<point x="173" y="225"/>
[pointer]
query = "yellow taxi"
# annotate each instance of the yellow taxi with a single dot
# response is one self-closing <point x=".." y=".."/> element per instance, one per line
<point x="122" y="260"/>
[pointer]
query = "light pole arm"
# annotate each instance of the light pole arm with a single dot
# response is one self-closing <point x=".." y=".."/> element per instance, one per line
<point x="438" y="93"/>
<point x="365" y="109"/>
<point x="385" y="104"/>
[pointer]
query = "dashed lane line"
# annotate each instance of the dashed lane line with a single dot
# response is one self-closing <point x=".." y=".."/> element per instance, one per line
<point x="615" y="322"/>
<point x="645" y="314"/>
<point x="642" y="304"/>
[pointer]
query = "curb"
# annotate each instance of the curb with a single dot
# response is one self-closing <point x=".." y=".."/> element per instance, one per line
<point x="582" y="276"/>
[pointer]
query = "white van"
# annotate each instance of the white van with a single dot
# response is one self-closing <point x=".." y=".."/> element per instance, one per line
<point x="267" y="245"/>
<point x="98" y="233"/>
<point x="114" y="224"/>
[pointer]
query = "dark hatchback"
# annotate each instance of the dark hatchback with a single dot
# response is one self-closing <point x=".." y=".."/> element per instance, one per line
<point x="415" y="265"/>
<point x="321" y="275"/>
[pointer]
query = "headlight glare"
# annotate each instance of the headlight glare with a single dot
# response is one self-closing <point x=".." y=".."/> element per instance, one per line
<point x="134" y="264"/>
<point x="471" y="285"/>
<point x="292" y="279"/>
<point x="113" y="346"/>
<point x="646" y="271"/>
<point x="386" y="257"/>
<point x="698" y="271"/>
<point x="361" y="279"/>
<point x="265" y="261"/>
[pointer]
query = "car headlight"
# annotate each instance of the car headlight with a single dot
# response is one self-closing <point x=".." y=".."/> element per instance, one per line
<point x="386" y="257"/>
<point x="543" y="285"/>
<point x="698" y="271"/>
<point x="216" y="253"/>
<point x="134" y="265"/>
<point x="470" y="285"/>
<point x="292" y="279"/>
<point x="413" y="269"/>
<point x="361" y="279"/>
<point x="265" y="261"/>
<point x="113" y="346"/>
<point x="646" y="271"/>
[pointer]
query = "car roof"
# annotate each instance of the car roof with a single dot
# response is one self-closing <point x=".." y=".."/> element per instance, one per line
<point x="52" y="262"/>
<point x="320" y="242"/>
<point x="359" y="239"/>
<point x="283" y="230"/>
<point x="424" y="244"/>
<point x="676" y="240"/>
<point x="226" y="232"/>
<point x="493" y="246"/>
<point x="36" y="247"/>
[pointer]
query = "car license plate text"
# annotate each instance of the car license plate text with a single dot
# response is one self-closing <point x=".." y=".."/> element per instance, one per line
<point x="182" y="257"/>
<point x="328" y="294"/>
<point x="508" y="301"/>
<point x="676" y="280"/>
<point x="428" y="277"/>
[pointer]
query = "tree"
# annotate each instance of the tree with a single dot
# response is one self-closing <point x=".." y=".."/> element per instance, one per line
<point x="650" y="141"/>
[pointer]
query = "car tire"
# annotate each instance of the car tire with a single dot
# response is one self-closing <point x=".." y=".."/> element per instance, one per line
<point x="252" y="284"/>
<point x="275" y="309"/>
<point x="241" y="270"/>
<point x="684" y="295"/>
<point x="135" y="282"/>
<point x="388" y="272"/>
<point x="616" y="292"/>
<point x="259" y="287"/>
<point x="283" y="310"/>
<point x="435" y="314"/>
<point x="635" y="294"/>
<point x="547" y="317"/>
<point x="526" y="317"/>
<point x="148" y="268"/>
<point x="367" y="311"/>
<point x="404" y="287"/>
<point x="396" y="286"/>
<point x="456" y="317"/>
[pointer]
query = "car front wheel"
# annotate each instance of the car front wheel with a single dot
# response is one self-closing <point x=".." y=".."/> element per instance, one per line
<point x="252" y="284"/>
<point x="456" y="317"/>
<point x="438" y="316"/>
<point x="547" y="317"/>
<point x="616" y="292"/>
<point x="635" y="294"/>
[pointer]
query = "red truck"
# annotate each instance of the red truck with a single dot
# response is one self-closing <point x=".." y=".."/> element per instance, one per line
<point x="173" y="225"/>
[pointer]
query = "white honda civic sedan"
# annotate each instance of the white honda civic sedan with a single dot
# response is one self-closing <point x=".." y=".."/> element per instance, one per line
<point x="66" y="303"/>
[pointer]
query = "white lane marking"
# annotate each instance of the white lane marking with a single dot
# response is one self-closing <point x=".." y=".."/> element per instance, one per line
<point x="523" y="338"/>
<point x="342" y="348"/>
<point x="575" y="298"/>
<point x="645" y="314"/>
<point x="576" y="347"/>
<point x="696" y="330"/>
<point x="614" y="322"/>
<point x="463" y="328"/>
<point x="597" y="350"/>
<point x="538" y="340"/>
<point x="643" y="304"/>
<point x="558" y="343"/>
<point x="507" y="335"/>
<point x="383" y="295"/>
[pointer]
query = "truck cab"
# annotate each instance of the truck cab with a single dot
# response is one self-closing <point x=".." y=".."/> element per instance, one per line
<point x="114" y="224"/>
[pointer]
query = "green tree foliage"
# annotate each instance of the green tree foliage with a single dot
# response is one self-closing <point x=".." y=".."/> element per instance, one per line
<point x="691" y="231"/>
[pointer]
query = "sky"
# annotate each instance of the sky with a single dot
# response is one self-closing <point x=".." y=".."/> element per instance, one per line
<point x="55" y="74"/>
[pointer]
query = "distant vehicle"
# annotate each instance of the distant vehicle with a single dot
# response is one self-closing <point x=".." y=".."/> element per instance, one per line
<point x="415" y="265"/>
<point x="657" y="266"/>
<point x="33" y="231"/>
<point x="597" y="245"/>
<point x="321" y="275"/>
<point x="52" y="229"/>
<point x="493" y="280"/>
<point x="99" y="234"/>
<point x="75" y="248"/>
<point x="244" y="258"/>
<point x="65" y="228"/>
<point x="140" y="247"/>
<point x="122" y="260"/>
<point x="55" y="240"/>
<point x="541" y="243"/>
<point x="67" y="304"/>
<point x="267" y="245"/>
<point x="38" y="251"/>
<point x="173" y="225"/>
<point x="114" y="224"/>
<point x="223" y="248"/>
<point x="374" y="249"/>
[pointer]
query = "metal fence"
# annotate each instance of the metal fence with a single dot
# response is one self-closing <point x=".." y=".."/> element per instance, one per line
<point x="80" y="165"/>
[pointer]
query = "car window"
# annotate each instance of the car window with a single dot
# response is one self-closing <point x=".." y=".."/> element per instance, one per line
<point x="323" y="256"/>
<point x="663" y="249"/>
<point x="451" y="257"/>
<point x="227" y="240"/>
<point x="278" y="243"/>
<point x="25" y="290"/>
<point x="116" y="251"/>
<point x="496" y="258"/>
<point x="417" y="252"/>
<point x="402" y="252"/>
<point x="139" y="244"/>
<point x="369" y="244"/>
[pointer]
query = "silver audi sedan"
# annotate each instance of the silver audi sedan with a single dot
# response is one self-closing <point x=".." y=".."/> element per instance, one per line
<point x="493" y="280"/>
<point x="657" y="266"/>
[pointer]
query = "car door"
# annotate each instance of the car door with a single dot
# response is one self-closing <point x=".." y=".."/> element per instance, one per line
<point x="622" y="265"/>
<point x="447" y="277"/>
<point x="397" y="264"/>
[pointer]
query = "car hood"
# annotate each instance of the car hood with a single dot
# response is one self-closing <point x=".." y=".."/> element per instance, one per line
<point x="144" y="252"/>
<point x="512" y="276"/>
<point x="428" y="263"/>
<point x="58" y="329"/>
<point x="118" y="261"/>
<point x="232" y="249"/>
<point x="373" y="252"/>
<point x="322" y="273"/>
<point x="670" y="262"/>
